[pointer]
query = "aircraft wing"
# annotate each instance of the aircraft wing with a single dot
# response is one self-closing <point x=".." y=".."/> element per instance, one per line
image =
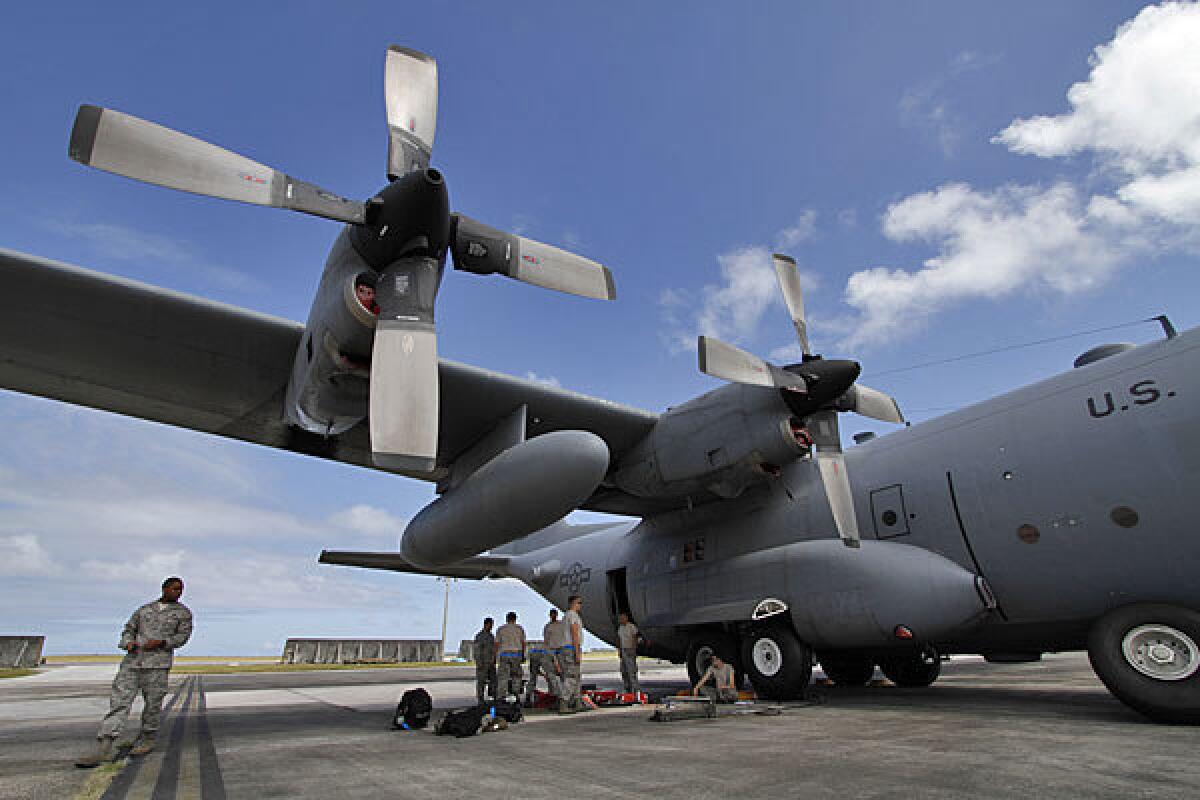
<point x="476" y="568"/>
<point x="96" y="340"/>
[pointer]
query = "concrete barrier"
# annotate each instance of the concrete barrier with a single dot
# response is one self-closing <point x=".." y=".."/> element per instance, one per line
<point x="21" y="651"/>
<point x="344" y="651"/>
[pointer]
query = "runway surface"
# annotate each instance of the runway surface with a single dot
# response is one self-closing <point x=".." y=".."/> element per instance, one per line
<point x="1040" y="730"/>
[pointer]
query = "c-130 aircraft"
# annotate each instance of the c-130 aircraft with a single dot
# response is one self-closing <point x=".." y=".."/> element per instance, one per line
<point x="1050" y="518"/>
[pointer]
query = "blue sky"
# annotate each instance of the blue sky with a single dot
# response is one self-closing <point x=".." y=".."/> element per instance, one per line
<point x="951" y="178"/>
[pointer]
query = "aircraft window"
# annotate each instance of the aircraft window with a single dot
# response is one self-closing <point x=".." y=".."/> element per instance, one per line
<point x="1124" y="516"/>
<point x="889" y="518"/>
<point x="1028" y="534"/>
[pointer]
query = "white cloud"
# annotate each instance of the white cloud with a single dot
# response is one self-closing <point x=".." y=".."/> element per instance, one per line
<point x="804" y="229"/>
<point x="23" y="556"/>
<point x="926" y="105"/>
<point x="129" y="244"/>
<point x="1137" y="114"/>
<point x="731" y="310"/>
<point x="369" y="520"/>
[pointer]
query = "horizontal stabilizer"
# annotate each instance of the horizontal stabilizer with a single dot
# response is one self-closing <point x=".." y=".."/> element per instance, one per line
<point x="475" y="568"/>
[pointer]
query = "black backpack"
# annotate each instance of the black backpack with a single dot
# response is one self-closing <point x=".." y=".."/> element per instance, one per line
<point x="463" y="722"/>
<point x="509" y="712"/>
<point x="413" y="711"/>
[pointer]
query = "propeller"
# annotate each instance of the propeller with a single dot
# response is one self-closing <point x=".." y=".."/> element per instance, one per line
<point x="816" y="389"/>
<point x="404" y="233"/>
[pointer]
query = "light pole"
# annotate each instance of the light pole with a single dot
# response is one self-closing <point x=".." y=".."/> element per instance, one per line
<point x="445" y="612"/>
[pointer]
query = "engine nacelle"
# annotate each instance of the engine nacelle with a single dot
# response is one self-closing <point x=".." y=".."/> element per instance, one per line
<point x="331" y="374"/>
<point x="721" y="442"/>
<point x="525" y="488"/>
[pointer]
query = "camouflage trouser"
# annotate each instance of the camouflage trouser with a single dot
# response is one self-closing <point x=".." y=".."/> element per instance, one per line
<point x="568" y="660"/>
<point x="485" y="683"/>
<point x="629" y="672"/>
<point x="720" y="695"/>
<point x="152" y="683"/>
<point x="541" y="664"/>
<point x="511" y="676"/>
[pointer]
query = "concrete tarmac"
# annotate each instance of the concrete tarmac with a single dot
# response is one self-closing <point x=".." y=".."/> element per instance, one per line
<point x="1040" y="730"/>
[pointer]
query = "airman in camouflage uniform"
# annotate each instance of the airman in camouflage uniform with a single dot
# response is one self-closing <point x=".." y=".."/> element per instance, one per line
<point x="149" y="640"/>
<point x="510" y="651"/>
<point x="543" y="659"/>
<point x="569" y="656"/>
<point x="484" y="653"/>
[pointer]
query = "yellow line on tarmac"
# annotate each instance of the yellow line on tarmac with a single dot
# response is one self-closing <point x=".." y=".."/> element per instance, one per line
<point x="152" y="764"/>
<point x="188" y="787"/>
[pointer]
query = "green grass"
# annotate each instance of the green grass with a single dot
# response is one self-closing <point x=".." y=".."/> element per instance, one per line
<point x="97" y="781"/>
<point x="233" y="669"/>
<point x="16" y="673"/>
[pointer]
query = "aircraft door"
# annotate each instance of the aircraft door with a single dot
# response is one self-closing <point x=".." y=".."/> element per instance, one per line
<point x="618" y="594"/>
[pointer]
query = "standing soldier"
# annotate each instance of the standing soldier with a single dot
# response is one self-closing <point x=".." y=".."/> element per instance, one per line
<point x="484" y="651"/>
<point x="510" y="649"/>
<point x="149" y="640"/>
<point x="569" y="656"/>
<point x="627" y="640"/>
<point x="555" y="635"/>
<point x="541" y="661"/>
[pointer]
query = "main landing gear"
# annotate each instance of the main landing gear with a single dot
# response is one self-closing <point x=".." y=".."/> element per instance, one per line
<point x="705" y="645"/>
<point x="847" y="669"/>
<point x="912" y="669"/>
<point x="777" y="662"/>
<point x="1148" y="655"/>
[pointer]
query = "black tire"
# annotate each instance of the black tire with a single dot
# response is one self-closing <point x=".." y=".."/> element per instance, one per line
<point x="1119" y="647"/>
<point x="912" y="669"/>
<point x="777" y="662"/>
<point x="703" y="646"/>
<point x="847" y="669"/>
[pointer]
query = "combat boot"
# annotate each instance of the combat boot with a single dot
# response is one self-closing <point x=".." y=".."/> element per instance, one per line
<point x="101" y="753"/>
<point x="144" y="745"/>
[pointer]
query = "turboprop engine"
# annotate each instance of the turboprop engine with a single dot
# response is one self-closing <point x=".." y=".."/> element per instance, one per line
<point x="523" y="489"/>
<point x="722" y="442"/>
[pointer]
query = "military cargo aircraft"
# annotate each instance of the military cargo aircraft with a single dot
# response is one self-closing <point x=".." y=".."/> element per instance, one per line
<point x="1051" y="518"/>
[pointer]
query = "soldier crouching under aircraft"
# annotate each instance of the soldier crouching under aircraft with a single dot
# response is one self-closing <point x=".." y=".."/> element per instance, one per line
<point x="723" y="689"/>
<point x="149" y="640"/>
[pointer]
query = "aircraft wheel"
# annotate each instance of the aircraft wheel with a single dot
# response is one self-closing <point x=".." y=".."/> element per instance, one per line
<point x="847" y="669"/>
<point x="706" y="644"/>
<point x="1148" y="656"/>
<point x="912" y="670"/>
<point x="777" y="662"/>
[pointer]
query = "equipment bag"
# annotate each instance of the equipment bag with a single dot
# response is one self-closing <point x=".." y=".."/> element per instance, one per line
<point x="414" y="710"/>
<point x="509" y="712"/>
<point x="462" y="722"/>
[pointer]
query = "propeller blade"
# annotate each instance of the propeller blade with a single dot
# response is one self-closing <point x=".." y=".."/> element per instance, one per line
<point x="404" y="403"/>
<point x="788" y="275"/>
<point x="404" y="396"/>
<point x="732" y="364"/>
<point x="410" y="85"/>
<point x="823" y="427"/>
<point x="132" y="147"/>
<point x="484" y="250"/>
<point x="873" y="403"/>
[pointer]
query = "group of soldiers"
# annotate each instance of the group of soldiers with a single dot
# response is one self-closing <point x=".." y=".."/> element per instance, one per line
<point x="498" y="658"/>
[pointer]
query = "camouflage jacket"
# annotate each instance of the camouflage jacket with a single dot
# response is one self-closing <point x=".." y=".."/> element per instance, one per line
<point x="172" y="624"/>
